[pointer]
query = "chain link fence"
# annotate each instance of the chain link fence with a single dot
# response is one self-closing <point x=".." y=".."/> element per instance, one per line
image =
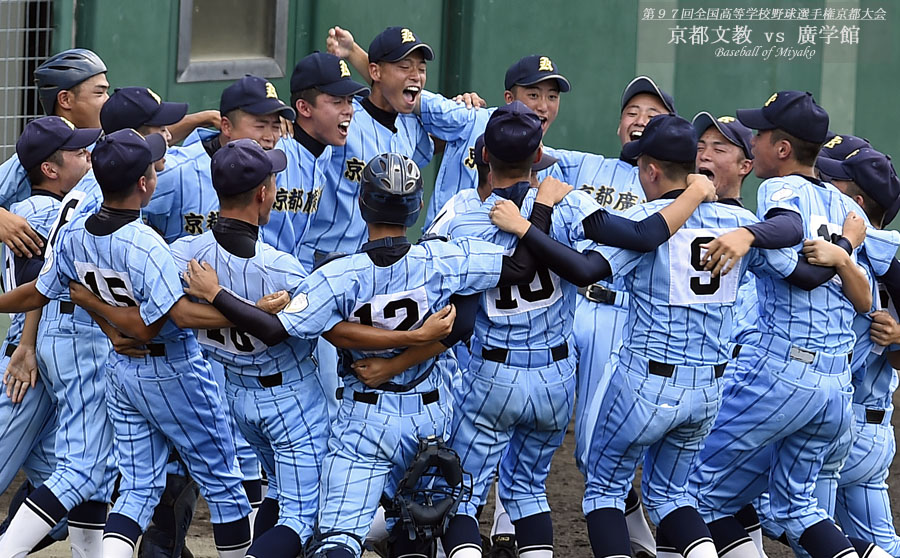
<point x="25" y="41"/>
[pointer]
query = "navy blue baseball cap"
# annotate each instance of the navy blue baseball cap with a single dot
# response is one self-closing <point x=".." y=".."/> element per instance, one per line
<point x="327" y="73"/>
<point x="667" y="137"/>
<point x="253" y="95"/>
<point x="546" y="161"/>
<point x="119" y="159"/>
<point x="133" y="107"/>
<point x="513" y="133"/>
<point x="874" y="173"/>
<point x="728" y="126"/>
<point x="643" y="84"/>
<point x="394" y="44"/>
<point x="45" y="136"/>
<point x="242" y="165"/>
<point x="533" y="69"/>
<point x="838" y="146"/>
<point x="794" y="112"/>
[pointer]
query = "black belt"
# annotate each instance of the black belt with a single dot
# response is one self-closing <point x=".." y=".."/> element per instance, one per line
<point x="270" y="381"/>
<point x="667" y="370"/>
<point x="371" y="398"/>
<point x="560" y="352"/>
<point x="66" y="307"/>
<point x="10" y="349"/>
<point x="156" y="349"/>
<point x="874" y="416"/>
<point x="736" y="351"/>
<point x="599" y="294"/>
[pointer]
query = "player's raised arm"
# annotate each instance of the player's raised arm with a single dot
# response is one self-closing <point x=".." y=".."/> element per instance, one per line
<point x="854" y="282"/>
<point x="341" y="44"/>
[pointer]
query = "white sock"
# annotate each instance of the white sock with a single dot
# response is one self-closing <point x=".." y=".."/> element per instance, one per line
<point x="502" y="524"/>
<point x="744" y="550"/>
<point x="704" y="549"/>
<point x="232" y="553"/>
<point x="667" y="554"/>
<point x="115" y="546"/>
<point x="378" y="531"/>
<point x="26" y="529"/>
<point x="639" y="531"/>
<point x="756" y="535"/>
<point x="85" y="543"/>
<point x="875" y="551"/>
<point x="253" y="511"/>
<point x="534" y="552"/>
<point x="466" y="552"/>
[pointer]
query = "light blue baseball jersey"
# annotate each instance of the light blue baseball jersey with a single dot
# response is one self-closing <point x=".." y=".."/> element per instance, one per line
<point x="14" y="183"/>
<point x="337" y="225"/>
<point x="268" y="271"/>
<point x="874" y="380"/>
<point x="819" y="319"/>
<point x="537" y="315"/>
<point x="129" y="267"/>
<point x="40" y="212"/>
<point x="461" y="203"/>
<point x="300" y="189"/>
<point x="399" y="296"/>
<point x="613" y="183"/>
<point x="679" y="313"/>
<point x="459" y="127"/>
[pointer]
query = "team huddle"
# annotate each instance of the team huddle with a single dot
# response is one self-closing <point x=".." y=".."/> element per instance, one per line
<point x="226" y="303"/>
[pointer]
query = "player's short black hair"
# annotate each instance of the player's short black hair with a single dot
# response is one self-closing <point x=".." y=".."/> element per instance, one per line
<point x="873" y="209"/>
<point x="672" y="170"/>
<point x="505" y="169"/>
<point x="310" y="95"/>
<point x="244" y="198"/>
<point x="234" y="115"/>
<point x="805" y="152"/>
<point x="36" y="176"/>
<point x="483" y="171"/>
<point x="119" y="193"/>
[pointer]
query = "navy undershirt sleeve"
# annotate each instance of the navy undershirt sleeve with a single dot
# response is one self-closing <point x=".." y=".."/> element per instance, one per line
<point x="520" y="267"/>
<point x="466" y="308"/>
<point x="645" y="235"/>
<point x="808" y="276"/>
<point x="265" y="327"/>
<point x="782" y="228"/>
<point x="578" y="268"/>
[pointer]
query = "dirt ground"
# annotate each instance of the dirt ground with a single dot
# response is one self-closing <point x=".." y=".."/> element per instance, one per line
<point x="565" y="491"/>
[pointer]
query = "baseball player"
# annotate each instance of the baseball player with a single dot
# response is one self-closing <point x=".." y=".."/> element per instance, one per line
<point x="366" y="460"/>
<point x="801" y="355"/>
<point x="383" y="122"/>
<point x="165" y="397"/>
<point x="53" y="153"/>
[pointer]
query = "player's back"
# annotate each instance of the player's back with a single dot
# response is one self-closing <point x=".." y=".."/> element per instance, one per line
<point x="874" y="380"/>
<point x="679" y="313"/>
<point x="130" y="266"/>
<point x="402" y="295"/>
<point x="14" y="183"/>
<point x="266" y="272"/>
<point x="539" y="314"/>
<point x="337" y="225"/>
<point x="461" y="203"/>
<point x="820" y="319"/>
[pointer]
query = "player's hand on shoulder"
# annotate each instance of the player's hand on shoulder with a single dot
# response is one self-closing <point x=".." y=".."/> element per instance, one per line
<point x="374" y="371"/>
<point x="339" y="42"/>
<point x="471" y="100"/>
<point x="437" y="326"/>
<point x="884" y="330"/>
<point x="21" y="373"/>
<point x="723" y="253"/>
<point x="824" y="253"/>
<point x="854" y="229"/>
<point x="287" y="127"/>
<point x="703" y="186"/>
<point x="202" y="281"/>
<point x="551" y="191"/>
<point x="16" y="233"/>
<point x="274" y="303"/>
<point x="506" y="216"/>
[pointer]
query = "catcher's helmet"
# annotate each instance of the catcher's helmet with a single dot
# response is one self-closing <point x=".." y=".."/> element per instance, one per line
<point x="65" y="70"/>
<point x="391" y="190"/>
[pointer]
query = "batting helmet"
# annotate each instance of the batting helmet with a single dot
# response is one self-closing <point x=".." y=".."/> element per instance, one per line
<point x="65" y="70"/>
<point x="391" y="190"/>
